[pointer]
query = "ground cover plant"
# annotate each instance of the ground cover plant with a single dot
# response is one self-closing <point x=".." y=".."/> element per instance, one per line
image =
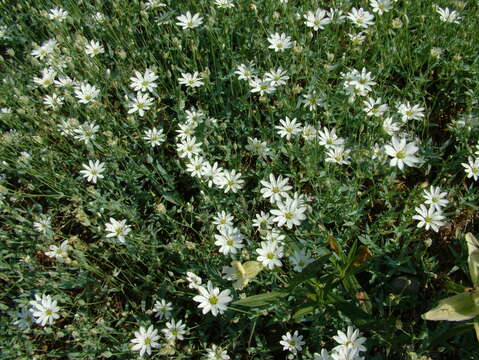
<point x="239" y="179"/>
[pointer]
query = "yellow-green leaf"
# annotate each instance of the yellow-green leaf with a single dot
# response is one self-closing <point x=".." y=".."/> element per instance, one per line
<point x="455" y="308"/>
<point x="473" y="258"/>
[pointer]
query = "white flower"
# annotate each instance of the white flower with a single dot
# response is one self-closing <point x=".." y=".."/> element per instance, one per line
<point x="195" y="166"/>
<point x="229" y="239"/>
<point x="292" y="343"/>
<point x="289" y="213"/>
<point x="309" y="133"/>
<point x="154" y="137"/>
<point x="140" y="104"/>
<point x="288" y="128"/>
<point x="24" y="319"/>
<point x="258" y="147"/>
<point x="191" y="80"/>
<point x="210" y="172"/>
<point x="58" y="252"/>
<point x="224" y="4"/>
<point x="193" y="280"/>
<point x="145" y="340"/>
<point x="270" y="254"/>
<point x="402" y="153"/>
<point x="472" y="168"/>
<point x="435" y="198"/>
<point x="317" y="20"/>
<point x="263" y="221"/>
<point x="47" y="79"/>
<point x="245" y="71"/>
<point x="448" y="16"/>
<point x="374" y="107"/>
<point x="229" y="181"/>
<point x="86" y="93"/>
<point x="322" y="356"/>
<point x="223" y="219"/>
<point x="57" y="14"/>
<point x="261" y="86"/>
<point x="188" y="147"/>
<point x="144" y="82"/>
<point x="312" y="100"/>
<point x="86" y="132"/>
<point x="194" y="116"/>
<point x="162" y="309"/>
<point x="211" y="299"/>
<point x="186" y="129"/>
<point x="64" y="81"/>
<point x="44" y="309"/>
<point x="276" y="189"/>
<point x="53" y="101"/>
<point x="357" y="39"/>
<point x="390" y="126"/>
<point x="277" y="77"/>
<point x="216" y="353"/>
<point x="94" y="48"/>
<point x="188" y="21"/>
<point x="117" y="229"/>
<point x="174" y="330"/>
<point x="328" y="138"/>
<point x="338" y="154"/>
<point x="351" y="339"/>
<point x="45" y="50"/>
<point x="279" y="42"/>
<point x="409" y="112"/>
<point x="43" y="224"/>
<point x="93" y="171"/>
<point x="429" y="217"/>
<point x="300" y="259"/>
<point x="361" y="18"/>
<point x="381" y="6"/>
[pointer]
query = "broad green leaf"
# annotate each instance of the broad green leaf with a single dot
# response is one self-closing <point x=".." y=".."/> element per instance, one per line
<point x="473" y="258"/>
<point x="455" y="308"/>
<point x="261" y="299"/>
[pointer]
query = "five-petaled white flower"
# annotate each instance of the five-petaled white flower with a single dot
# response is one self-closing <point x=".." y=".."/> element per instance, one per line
<point x="211" y="299"/>
<point x="429" y="217"/>
<point x="117" y="229"/>
<point x="472" y="167"/>
<point x="276" y="189"/>
<point x="93" y="48"/>
<point x="292" y="343"/>
<point x="270" y="254"/>
<point x="435" y="198"/>
<point x="402" y="153"/>
<point x="188" y="21"/>
<point x="317" y="19"/>
<point x="145" y="340"/>
<point x="289" y="212"/>
<point x="93" y="170"/>
<point x="144" y="82"/>
<point x="191" y="80"/>
<point x="140" y="104"/>
<point x="44" y="309"/>
<point x="279" y="42"/>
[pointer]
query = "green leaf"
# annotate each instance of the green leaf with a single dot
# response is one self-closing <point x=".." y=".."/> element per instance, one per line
<point x="304" y="311"/>
<point x="473" y="258"/>
<point x="309" y="271"/>
<point x="476" y="327"/>
<point x="455" y="308"/>
<point x="261" y="299"/>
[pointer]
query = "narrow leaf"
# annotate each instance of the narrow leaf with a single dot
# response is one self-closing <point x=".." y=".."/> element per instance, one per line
<point x="261" y="299"/>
